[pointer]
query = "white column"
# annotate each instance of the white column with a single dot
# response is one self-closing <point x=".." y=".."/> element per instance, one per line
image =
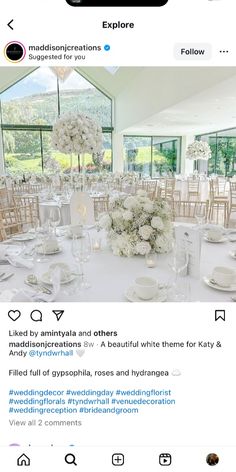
<point x="187" y="166"/>
<point x="118" y="154"/>
<point x="1" y="155"/>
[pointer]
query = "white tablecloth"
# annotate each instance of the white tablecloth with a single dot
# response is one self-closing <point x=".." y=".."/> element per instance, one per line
<point x="110" y="275"/>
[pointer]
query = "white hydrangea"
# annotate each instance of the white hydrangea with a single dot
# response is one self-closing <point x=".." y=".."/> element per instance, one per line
<point x="148" y="207"/>
<point x="143" y="248"/>
<point x="127" y="215"/>
<point x="130" y="203"/>
<point x="145" y="232"/>
<point x="157" y="223"/>
<point x="105" y="222"/>
<point x="163" y="243"/>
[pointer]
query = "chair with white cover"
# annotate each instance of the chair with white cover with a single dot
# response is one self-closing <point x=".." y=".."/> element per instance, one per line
<point x="81" y="209"/>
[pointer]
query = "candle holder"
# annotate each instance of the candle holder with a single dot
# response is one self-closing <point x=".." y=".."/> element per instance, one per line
<point x="151" y="259"/>
<point x="96" y="244"/>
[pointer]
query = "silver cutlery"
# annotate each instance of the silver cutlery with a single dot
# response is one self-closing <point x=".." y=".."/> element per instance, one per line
<point x="39" y="288"/>
<point x="233" y="299"/>
<point x="6" y="276"/>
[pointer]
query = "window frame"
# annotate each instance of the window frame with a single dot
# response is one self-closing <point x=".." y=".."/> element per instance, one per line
<point x="49" y="128"/>
<point x="152" y="137"/>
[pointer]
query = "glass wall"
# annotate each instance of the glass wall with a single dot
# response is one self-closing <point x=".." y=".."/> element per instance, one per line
<point x="223" y="148"/>
<point x="30" y="108"/>
<point x="152" y="156"/>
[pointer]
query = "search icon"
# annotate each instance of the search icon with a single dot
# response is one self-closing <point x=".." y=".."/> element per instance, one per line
<point x="70" y="459"/>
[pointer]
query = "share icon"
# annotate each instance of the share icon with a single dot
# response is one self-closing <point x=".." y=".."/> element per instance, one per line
<point x="58" y="314"/>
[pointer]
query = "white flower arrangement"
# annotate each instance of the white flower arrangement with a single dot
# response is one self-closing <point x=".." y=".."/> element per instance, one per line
<point x="198" y="150"/>
<point x="77" y="133"/>
<point x="137" y="225"/>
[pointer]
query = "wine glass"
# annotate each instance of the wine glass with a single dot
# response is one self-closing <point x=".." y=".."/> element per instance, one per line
<point x="79" y="252"/>
<point x="179" y="265"/>
<point x="200" y="215"/>
<point x="54" y="218"/>
<point x="87" y="246"/>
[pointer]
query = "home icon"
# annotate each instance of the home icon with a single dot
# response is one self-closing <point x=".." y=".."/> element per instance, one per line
<point x="23" y="460"/>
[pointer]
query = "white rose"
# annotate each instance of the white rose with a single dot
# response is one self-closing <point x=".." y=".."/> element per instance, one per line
<point x="143" y="248"/>
<point x="157" y="223"/>
<point x="145" y="232"/>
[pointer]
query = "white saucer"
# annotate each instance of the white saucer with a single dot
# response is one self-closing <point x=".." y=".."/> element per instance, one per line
<point x="46" y="279"/>
<point x="23" y="237"/>
<point x="222" y="240"/>
<point x="207" y="280"/>
<point x="131" y="295"/>
<point x="40" y="250"/>
<point x="233" y="254"/>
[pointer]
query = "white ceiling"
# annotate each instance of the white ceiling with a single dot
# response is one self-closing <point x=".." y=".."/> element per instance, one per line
<point x="211" y="110"/>
<point x="161" y="101"/>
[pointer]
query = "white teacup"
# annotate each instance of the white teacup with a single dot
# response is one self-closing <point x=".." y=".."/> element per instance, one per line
<point x="223" y="276"/>
<point x="76" y="230"/>
<point x="146" y="287"/>
<point x="214" y="234"/>
<point x="50" y="245"/>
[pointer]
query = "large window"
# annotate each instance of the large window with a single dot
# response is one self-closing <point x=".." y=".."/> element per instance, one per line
<point x="152" y="156"/>
<point x="223" y="148"/>
<point x="29" y="110"/>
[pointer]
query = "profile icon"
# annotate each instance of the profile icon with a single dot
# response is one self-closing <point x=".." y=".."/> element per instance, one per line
<point x="15" y="51"/>
<point x="212" y="459"/>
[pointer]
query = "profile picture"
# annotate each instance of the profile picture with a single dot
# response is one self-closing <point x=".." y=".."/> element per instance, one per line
<point x="212" y="459"/>
<point x="15" y="51"/>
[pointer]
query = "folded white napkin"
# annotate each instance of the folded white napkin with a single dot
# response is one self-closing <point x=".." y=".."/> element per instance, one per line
<point x="7" y="254"/>
<point x="18" y="261"/>
<point x="7" y="295"/>
<point x="30" y="295"/>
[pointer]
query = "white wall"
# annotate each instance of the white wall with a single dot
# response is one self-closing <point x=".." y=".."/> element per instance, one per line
<point x="118" y="159"/>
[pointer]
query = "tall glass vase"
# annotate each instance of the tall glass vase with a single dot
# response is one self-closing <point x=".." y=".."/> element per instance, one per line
<point x="83" y="172"/>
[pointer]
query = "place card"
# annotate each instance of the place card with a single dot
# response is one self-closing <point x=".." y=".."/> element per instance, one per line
<point x="189" y="240"/>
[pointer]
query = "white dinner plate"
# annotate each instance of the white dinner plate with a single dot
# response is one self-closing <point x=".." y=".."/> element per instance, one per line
<point x="24" y="237"/>
<point x="40" y="250"/>
<point x="46" y="279"/>
<point x="222" y="240"/>
<point x="207" y="280"/>
<point x="233" y="254"/>
<point x="131" y="295"/>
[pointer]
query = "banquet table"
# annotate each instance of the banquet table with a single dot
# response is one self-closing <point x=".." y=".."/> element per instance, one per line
<point x="110" y="276"/>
